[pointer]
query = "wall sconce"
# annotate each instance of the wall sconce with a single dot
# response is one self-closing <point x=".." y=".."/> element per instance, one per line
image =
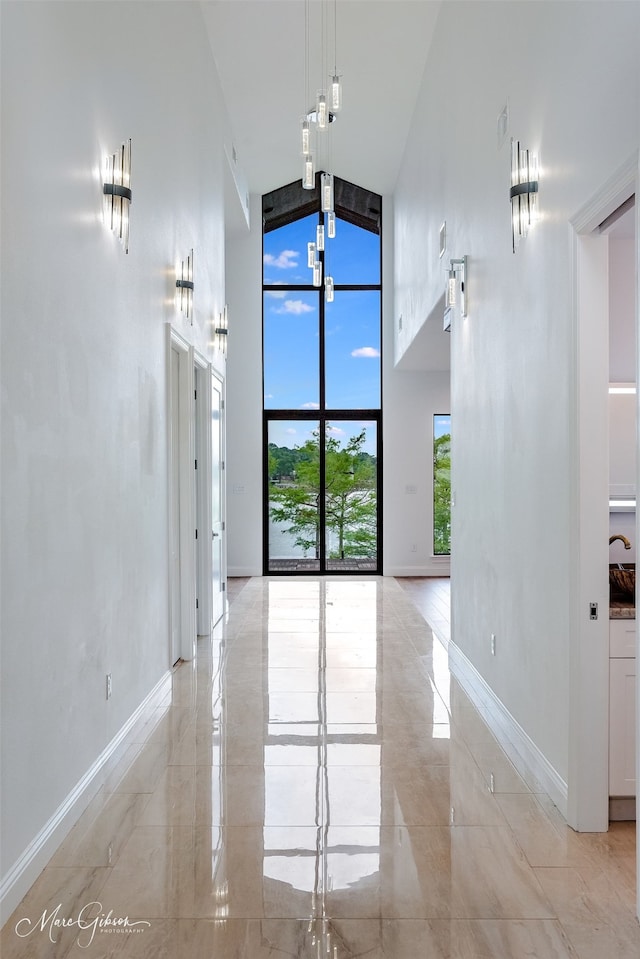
<point x="456" y="280"/>
<point x="116" y="191"/>
<point x="184" y="286"/>
<point x="222" y="330"/>
<point x="524" y="191"/>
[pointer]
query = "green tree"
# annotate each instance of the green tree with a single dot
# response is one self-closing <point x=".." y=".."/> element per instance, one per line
<point x="442" y="495"/>
<point x="350" y="497"/>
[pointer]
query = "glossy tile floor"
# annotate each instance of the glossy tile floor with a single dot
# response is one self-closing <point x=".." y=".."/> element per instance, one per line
<point x="317" y="786"/>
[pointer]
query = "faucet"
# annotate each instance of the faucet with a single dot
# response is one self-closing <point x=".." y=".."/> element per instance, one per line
<point x="623" y="539"/>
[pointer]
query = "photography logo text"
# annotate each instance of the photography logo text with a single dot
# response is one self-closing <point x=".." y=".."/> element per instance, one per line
<point x="89" y="921"/>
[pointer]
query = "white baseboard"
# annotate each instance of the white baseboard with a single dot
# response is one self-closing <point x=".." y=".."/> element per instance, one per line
<point x="433" y="568"/>
<point x="244" y="571"/>
<point x="24" y="872"/>
<point x="531" y="763"/>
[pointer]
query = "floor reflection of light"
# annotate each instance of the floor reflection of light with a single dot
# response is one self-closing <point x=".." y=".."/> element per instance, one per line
<point x="289" y="755"/>
<point x="291" y="795"/>
<point x="317" y="771"/>
<point x="348" y="869"/>
<point x="299" y="872"/>
<point x="441" y="690"/>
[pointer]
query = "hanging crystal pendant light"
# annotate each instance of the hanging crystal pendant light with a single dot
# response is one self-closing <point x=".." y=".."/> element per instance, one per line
<point x="335" y="98"/>
<point x="322" y="113"/>
<point x="326" y="193"/>
<point x="328" y="289"/>
<point x="336" y="94"/>
<point x="305" y="138"/>
<point x="317" y="273"/>
<point x="311" y="255"/>
<point x="331" y="225"/>
<point x="320" y="236"/>
<point x="308" y="173"/>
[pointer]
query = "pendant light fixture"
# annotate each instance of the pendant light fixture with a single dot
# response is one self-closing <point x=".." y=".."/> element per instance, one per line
<point x="326" y="193"/>
<point x="322" y="114"/>
<point x="308" y="170"/>
<point x="328" y="289"/>
<point x="336" y="93"/>
<point x="308" y="174"/>
<point x="305" y="146"/>
<point x="335" y="99"/>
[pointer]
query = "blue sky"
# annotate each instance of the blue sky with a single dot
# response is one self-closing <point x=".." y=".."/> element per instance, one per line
<point x="352" y="328"/>
<point x="296" y="432"/>
<point x="441" y="424"/>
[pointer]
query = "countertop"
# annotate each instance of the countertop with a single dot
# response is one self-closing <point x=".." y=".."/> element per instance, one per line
<point x="621" y="609"/>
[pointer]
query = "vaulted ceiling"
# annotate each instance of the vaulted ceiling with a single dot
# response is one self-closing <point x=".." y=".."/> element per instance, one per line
<point x="380" y="49"/>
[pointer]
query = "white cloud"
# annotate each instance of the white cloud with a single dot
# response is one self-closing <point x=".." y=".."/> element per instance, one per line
<point x="368" y="351"/>
<point x="335" y="429"/>
<point x="295" y="306"/>
<point x="277" y="294"/>
<point x="310" y="406"/>
<point x="291" y="432"/>
<point x="286" y="260"/>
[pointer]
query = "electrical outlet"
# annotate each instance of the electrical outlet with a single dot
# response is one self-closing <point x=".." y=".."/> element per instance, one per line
<point x="414" y="548"/>
<point x="109" y="688"/>
<point x="493" y="644"/>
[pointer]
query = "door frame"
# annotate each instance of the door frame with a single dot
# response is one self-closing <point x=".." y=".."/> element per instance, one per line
<point x="203" y="479"/>
<point x="588" y="785"/>
<point x="217" y="378"/>
<point x="180" y="399"/>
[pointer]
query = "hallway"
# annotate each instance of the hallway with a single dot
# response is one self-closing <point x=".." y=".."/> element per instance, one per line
<point x="317" y="785"/>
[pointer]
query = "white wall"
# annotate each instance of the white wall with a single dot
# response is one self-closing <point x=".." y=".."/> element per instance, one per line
<point x="513" y="358"/>
<point x="84" y="457"/>
<point x="622" y="309"/>
<point x="244" y="398"/>
<point x="623" y="430"/>
<point x="410" y="401"/>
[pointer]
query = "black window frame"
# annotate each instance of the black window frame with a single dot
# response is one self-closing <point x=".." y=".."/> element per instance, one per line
<point x="364" y="211"/>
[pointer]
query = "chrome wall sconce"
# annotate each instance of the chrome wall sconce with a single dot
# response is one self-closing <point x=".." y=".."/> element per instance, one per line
<point x="222" y="330"/>
<point x="523" y="193"/>
<point x="184" y="287"/>
<point x="456" y="292"/>
<point x="116" y="193"/>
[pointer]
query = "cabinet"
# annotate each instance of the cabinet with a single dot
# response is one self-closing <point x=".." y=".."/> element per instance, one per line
<point x="622" y="707"/>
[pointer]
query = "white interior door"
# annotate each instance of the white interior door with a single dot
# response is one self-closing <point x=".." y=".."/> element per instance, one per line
<point x="217" y="498"/>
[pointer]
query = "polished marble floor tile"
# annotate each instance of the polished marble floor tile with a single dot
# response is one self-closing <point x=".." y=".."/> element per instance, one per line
<point x="317" y="784"/>
<point x="348" y="939"/>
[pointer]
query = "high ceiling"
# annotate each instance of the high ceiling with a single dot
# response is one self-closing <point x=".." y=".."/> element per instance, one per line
<point x="259" y="48"/>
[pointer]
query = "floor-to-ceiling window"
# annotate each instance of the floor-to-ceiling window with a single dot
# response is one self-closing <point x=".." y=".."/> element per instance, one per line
<point x="322" y="381"/>
<point x="442" y="484"/>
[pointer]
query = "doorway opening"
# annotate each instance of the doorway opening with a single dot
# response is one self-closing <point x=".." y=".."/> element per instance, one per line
<point x="588" y="781"/>
<point x="197" y="569"/>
